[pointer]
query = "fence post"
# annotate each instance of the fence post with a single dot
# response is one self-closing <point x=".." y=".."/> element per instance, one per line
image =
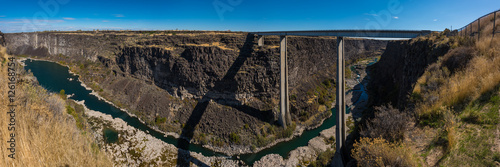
<point x="494" y="21"/>
<point x="478" y="28"/>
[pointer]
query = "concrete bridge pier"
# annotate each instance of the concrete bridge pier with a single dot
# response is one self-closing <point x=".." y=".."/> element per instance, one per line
<point x="340" y="134"/>
<point x="284" y="103"/>
<point x="261" y="40"/>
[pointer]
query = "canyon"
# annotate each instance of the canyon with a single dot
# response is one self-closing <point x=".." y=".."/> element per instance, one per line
<point x="222" y="78"/>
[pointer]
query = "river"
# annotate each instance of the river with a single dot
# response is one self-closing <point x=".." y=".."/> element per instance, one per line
<point x="55" y="77"/>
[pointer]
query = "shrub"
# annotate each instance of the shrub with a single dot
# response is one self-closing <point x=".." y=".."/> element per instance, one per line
<point x="288" y="131"/>
<point x="327" y="83"/>
<point x="330" y="141"/>
<point x="446" y="32"/>
<point x="321" y="100"/>
<point x="457" y="58"/>
<point x="63" y="94"/>
<point x="324" y="158"/>
<point x="378" y="152"/>
<point x="235" y="138"/>
<point x="389" y="123"/>
<point x="78" y="120"/>
<point x="160" y="120"/>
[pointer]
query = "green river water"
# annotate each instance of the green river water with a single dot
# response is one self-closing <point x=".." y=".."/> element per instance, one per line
<point x="55" y="77"/>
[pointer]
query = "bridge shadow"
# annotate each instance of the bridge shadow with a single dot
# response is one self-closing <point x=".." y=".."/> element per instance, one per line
<point x="227" y="84"/>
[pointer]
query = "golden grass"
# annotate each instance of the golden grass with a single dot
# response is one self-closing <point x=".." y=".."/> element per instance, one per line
<point x="170" y="48"/>
<point x="443" y="100"/>
<point x="80" y="33"/>
<point x="379" y="152"/>
<point x="181" y="33"/>
<point x="480" y="76"/>
<point x="45" y="134"/>
<point x="214" y="44"/>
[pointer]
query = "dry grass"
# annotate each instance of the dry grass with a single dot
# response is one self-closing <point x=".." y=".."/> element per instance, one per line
<point x="450" y="98"/>
<point x="458" y="96"/>
<point x="378" y="152"/>
<point x="481" y="75"/>
<point x="45" y="134"/>
<point x="164" y="47"/>
<point x="213" y="44"/>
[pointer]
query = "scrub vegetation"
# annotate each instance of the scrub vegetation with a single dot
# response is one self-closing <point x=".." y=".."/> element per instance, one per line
<point x="453" y="114"/>
<point x="47" y="132"/>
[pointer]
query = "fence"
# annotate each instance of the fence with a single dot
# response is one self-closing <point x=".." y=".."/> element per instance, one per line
<point x="467" y="30"/>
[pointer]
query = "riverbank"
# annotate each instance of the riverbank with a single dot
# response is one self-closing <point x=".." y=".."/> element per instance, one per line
<point x="302" y="156"/>
<point x="136" y="148"/>
<point x="83" y="92"/>
<point x="229" y="150"/>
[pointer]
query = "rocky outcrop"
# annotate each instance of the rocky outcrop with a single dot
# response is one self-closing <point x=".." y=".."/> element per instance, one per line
<point x="270" y="160"/>
<point x="78" y="47"/>
<point x="399" y="68"/>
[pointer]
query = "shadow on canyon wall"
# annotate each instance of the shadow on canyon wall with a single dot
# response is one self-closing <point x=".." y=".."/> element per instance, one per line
<point x="227" y="83"/>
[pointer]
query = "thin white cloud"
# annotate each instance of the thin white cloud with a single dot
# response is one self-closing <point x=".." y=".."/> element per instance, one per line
<point x="395" y="17"/>
<point x="3" y="16"/>
<point x="68" y="18"/>
<point x="105" y="21"/>
<point x="46" y="21"/>
<point x="372" y="14"/>
<point x="118" y="15"/>
<point x="435" y="20"/>
<point x="35" y="21"/>
<point x="11" y="22"/>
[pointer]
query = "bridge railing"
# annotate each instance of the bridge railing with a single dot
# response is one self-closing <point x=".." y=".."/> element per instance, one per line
<point x="474" y="28"/>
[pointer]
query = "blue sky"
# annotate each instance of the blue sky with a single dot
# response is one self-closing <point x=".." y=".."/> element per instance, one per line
<point x="240" y="15"/>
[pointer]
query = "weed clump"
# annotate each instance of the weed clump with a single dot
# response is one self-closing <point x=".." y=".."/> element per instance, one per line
<point x="378" y="152"/>
<point x="389" y="123"/>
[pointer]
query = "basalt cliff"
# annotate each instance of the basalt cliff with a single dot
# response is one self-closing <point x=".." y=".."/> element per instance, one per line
<point x="217" y="88"/>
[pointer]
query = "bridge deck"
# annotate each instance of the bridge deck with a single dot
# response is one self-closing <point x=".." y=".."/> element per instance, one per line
<point x="351" y="33"/>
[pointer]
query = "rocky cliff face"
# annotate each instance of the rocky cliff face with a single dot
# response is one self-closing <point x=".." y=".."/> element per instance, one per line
<point x="173" y="74"/>
<point x="399" y="68"/>
<point x="78" y="47"/>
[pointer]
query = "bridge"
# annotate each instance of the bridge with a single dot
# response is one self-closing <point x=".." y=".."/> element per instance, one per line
<point x="284" y="118"/>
